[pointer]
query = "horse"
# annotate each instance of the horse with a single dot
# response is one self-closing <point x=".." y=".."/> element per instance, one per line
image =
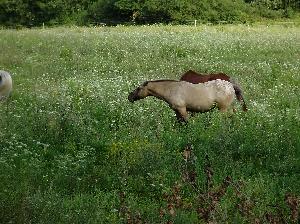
<point x="194" y="77"/>
<point x="5" y="85"/>
<point x="184" y="97"/>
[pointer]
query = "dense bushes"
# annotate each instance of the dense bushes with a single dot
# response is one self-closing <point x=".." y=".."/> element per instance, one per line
<point x="33" y="13"/>
<point x="84" y="12"/>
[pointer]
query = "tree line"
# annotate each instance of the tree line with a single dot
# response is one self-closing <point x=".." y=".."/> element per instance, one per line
<point x="85" y="12"/>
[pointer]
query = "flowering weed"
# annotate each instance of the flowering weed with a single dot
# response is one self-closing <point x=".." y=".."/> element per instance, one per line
<point x="71" y="143"/>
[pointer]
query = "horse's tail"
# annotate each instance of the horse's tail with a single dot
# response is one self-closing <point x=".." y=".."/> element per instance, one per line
<point x="239" y="93"/>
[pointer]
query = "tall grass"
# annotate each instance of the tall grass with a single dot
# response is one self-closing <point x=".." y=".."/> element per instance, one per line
<point x="71" y="143"/>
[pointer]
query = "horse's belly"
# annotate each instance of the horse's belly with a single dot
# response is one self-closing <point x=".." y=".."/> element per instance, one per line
<point x="203" y="106"/>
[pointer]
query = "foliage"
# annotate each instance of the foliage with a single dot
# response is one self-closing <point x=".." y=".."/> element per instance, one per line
<point x="74" y="150"/>
<point x="36" y="12"/>
<point x="85" y="12"/>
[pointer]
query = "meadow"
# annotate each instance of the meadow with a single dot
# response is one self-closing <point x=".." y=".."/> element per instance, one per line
<point x="74" y="150"/>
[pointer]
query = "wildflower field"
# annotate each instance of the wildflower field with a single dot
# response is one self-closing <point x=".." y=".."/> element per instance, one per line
<point x="74" y="150"/>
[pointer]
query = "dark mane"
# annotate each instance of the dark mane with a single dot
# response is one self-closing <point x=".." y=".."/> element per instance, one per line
<point x="164" y="80"/>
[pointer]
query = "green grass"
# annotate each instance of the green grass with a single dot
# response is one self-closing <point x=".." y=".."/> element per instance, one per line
<point x="71" y="142"/>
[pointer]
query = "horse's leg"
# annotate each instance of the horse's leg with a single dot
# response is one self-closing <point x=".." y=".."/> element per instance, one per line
<point x="178" y="116"/>
<point x="181" y="114"/>
<point x="224" y="104"/>
<point x="223" y="108"/>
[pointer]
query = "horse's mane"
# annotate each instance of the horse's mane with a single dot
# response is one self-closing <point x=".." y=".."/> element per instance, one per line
<point x="161" y="80"/>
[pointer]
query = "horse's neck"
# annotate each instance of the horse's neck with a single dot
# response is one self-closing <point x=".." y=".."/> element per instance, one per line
<point x="160" y="90"/>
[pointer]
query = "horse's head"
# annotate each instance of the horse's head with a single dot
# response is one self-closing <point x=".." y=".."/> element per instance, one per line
<point x="139" y="93"/>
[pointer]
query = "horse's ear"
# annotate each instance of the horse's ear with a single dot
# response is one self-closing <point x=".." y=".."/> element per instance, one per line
<point x="145" y="83"/>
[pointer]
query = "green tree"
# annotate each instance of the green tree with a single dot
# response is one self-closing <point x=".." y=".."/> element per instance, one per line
<point x="36" y="12"/>
<point x="21" y="12"/>
<point x="146" y="10"/>
<point x="107" y="11"/>
<point x="82" y="12"/>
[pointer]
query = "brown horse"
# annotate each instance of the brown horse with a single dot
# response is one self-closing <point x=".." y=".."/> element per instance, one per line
<point x="194" y="77"/>
<point x="183" y="96"/>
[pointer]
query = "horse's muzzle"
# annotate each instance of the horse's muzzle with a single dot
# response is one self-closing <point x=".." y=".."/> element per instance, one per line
<point x="131" y="97"/>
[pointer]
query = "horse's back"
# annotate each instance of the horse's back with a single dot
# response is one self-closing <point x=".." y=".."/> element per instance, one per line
<point x="195" y="78"/>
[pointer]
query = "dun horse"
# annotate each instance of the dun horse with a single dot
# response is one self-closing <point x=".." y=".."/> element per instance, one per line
<point x="194" y="77"/>
<point x="183" y="96"/>
<point x="5" y="84"/>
